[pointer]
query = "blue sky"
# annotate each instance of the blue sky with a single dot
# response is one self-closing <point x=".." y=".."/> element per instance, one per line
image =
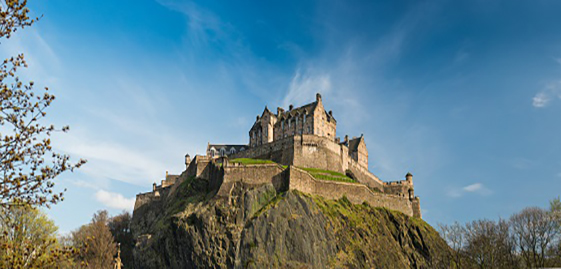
<point x="466" y="95"/>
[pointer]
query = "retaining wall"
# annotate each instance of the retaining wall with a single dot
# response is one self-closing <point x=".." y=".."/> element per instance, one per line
<point x="356" y="193"/>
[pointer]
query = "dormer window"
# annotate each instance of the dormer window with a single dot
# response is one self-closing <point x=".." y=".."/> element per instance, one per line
<point x="222" y="152"/>
<point x="232" y="151"/>
<point x="212" y="152"/>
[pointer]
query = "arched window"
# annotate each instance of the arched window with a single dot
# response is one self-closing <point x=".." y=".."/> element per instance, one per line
<point x="289" y="123"/>
<point x="242" y="149"/>
<point x="222" y="152"/>
<point x="282" y="125"/>
<point x="212" y="152"/>
<point x="232" y="150"/>
<point x="304" y="119"/>
<point x="296" y="121"/>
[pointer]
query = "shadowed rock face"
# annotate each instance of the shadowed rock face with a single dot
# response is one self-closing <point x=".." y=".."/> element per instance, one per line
<point x="259" y="228"/>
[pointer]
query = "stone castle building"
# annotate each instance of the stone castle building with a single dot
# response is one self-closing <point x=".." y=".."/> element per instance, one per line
<point x="296" y="139"/>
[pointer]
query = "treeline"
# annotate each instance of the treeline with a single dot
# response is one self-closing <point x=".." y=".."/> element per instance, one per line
<point x="100" y="239"/>
<point x="29" y="239"/>
<point x="528" y="239"/>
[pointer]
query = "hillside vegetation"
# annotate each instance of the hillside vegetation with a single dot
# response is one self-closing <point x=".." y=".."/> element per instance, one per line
<point x="260" y="228"/>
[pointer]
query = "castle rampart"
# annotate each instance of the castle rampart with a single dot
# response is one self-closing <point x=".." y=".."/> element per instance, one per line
<point x="356" y="193"/>
<point x="249" y="175"/>
<point x="311" y="151"/>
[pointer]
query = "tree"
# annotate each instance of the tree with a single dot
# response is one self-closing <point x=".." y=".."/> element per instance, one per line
<point x="120" y="228"/>
<point x="27" y="159"/>
<point x="534" y="231"/>
<point x="454" y="235"/>
<point x="100" y="245"/>
<point x="29" y="239"/>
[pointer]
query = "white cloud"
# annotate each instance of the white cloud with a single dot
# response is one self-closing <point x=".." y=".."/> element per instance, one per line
<point x="304" y="85"/>
<point x="477" y="188"/>
<point x="540" y="100"/>
<point x="551" y="91"/>
<point x="473" y="187"/>
<point x="114" y="200"/>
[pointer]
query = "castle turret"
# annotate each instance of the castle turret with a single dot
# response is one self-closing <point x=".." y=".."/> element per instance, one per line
<point x="318" y="97"/>
<point x="409" y="178"/>
<point x="154" y="187"/>
<point x="187" y="160"/>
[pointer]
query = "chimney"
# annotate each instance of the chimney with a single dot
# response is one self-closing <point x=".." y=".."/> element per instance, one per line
<point x="290" y="107"/>
<point x="279" y="111"/>
<point x="318" y="97"/>
<point x="337" y="140"/>
<point x="154" y="187"/>
<point x="257" y="118"/>
<point x="346" y="139"/>
<point x="331" y="113"/>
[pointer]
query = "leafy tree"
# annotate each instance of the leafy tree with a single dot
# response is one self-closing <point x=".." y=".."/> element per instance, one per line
<point x="27" y="160"/>
<point x="120" y="228"/>
<point x="29" y="239"/>
<point x="100" y="245"/>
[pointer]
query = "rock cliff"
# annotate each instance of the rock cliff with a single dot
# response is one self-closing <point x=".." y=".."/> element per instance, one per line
<point x="257" y="227"/>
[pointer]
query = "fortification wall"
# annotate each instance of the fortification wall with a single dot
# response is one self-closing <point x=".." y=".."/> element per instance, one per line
<point x="397" y="187"/>
<point x="312" y="151"/>
<point x="143" y="198"/>
<point x="280" y="151"/>
<point x="356" y="193"/>
<point x="251" y="175"/>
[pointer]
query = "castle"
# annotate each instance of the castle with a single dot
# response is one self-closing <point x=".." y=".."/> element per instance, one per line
<point x="304" y="154"/>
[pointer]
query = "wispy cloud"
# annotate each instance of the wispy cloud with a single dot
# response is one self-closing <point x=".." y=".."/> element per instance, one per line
<point x="304" y="85"/>
<point x="114" y="200"/>
<point x="110" y="160"/>
<point x="550" y="92"/>
<point x="476" y="188"/>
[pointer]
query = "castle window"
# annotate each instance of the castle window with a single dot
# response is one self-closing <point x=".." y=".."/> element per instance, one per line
<point x="282" y="125"/>
<point x="212" y="152"/>
<point x="289" y="123"/>
<point x="304" y="118"/>
<point x="232" y="151"/>
<point x="242" y="149"/>
<point x="222" y="152"/>
<point x="296" y="121"/>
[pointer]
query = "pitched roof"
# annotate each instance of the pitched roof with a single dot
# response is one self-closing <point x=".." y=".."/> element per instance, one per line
<point x="308" y="108"/>
<point x="226" y="147"/>
<point x="353" y="143"/>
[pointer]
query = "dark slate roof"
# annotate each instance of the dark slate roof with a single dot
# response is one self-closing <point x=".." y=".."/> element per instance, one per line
<point x="353" y="144"/>
<point x="299" y="110"/>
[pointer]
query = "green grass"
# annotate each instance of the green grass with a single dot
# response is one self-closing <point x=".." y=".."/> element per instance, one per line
<point x="250" y="161"/>
<point x="321" y="174"/>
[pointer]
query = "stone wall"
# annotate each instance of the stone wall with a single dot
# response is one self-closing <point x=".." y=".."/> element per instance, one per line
<point x="251" y="175"/>
<point x="356" y="193"/>
<point x="143" y="198"/>
<point x="397" y="187"/>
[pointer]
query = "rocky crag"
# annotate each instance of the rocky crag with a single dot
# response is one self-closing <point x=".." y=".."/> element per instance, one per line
<point x="260" y="227"/>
